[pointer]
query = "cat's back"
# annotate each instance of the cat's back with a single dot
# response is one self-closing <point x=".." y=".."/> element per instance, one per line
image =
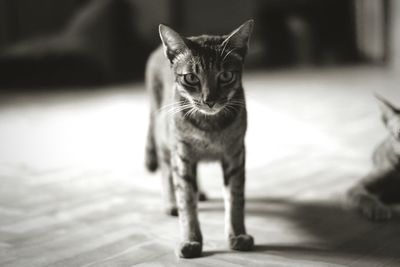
<point x="156" y="60"/>
<point x="157" y="68"/>
<point x="158" y="75"/>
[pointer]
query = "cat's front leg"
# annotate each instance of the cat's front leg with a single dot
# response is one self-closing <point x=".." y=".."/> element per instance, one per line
<point x="184" y="176"/>
<point x="364" y="196"/>
<point x="368" y="204"/>
<point x="233" y="165"/>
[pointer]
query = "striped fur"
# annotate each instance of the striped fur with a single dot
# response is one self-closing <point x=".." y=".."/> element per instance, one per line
<point x="380" y="188"/>
<point x="198" y="113"/>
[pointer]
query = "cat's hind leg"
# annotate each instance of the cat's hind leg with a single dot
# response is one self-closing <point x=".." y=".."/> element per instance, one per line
<point x="202" y="196"/>
<point x="168" y="189"/>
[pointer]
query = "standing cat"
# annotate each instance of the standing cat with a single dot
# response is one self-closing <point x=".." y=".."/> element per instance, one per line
<point x="373" y="194"/>
<point x="198" y="113"/>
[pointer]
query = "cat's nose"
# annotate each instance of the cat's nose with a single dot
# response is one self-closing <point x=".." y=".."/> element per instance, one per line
<point x="210" y="103"/>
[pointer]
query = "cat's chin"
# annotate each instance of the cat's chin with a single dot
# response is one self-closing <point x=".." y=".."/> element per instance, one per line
<point x="209" y="112"/>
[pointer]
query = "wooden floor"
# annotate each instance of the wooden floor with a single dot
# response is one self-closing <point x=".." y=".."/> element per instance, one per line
<point x="73" y="190"/>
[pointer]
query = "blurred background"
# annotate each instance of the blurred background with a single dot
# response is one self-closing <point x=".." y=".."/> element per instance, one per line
<point x="74" y="115"/>
<point x="83" y="42"/>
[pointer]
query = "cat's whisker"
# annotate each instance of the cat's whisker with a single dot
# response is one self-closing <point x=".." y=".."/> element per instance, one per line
<point x="188" y="112"/>
<point x="234" y="105"/>
<point x="185" y="114"/>
<point x="178" y="109"/>
<point x="193" y="111"/>
<point x="171" y="104"/>
<point x="237" y="104"/>
<point x="170" y="110"/>
<point x="225" y="110"/>
<point x="230" y="109"/>
<point x="167" y="106"/>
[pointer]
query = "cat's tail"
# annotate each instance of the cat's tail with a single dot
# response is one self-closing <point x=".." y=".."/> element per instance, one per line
<point x="154" y="88"/>
<point x="151" y="159"/>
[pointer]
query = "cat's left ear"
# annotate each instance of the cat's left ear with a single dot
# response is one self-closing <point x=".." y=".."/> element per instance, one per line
<point x="239" y="38"/>
<point x="173" y="43"/>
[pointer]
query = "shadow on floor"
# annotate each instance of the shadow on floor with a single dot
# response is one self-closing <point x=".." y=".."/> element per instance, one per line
<point x="339" y="233"/>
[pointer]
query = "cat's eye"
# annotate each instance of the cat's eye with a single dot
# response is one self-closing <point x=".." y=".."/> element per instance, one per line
<point x="226" y="77"/>
<point x="191" y="79"/>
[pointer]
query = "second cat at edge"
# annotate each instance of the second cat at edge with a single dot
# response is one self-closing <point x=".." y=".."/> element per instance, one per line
<point x="374" y="194"/>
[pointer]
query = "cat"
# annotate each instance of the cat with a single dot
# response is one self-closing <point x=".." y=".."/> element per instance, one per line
<point x="373" y="195"/>
<point x="198" y="113"/>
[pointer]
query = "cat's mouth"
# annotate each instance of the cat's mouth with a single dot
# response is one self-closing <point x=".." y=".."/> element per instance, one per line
<point x="208" y="109"/>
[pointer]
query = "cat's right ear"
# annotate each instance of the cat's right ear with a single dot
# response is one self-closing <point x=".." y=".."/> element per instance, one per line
<point x="173" y="43"/>
<point x="390" y="115"/>
<point x="239" y="39"/>
<point x="387" y="109"/>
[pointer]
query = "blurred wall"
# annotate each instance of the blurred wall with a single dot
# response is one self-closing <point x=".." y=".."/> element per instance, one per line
<point x="24" y="19"/>
<point x="109" y="40"/>
<point x="215" y="17"/>
<point x="3" y="25"/>
<point x="395" y="35"/>
<point x="147" y="15"/>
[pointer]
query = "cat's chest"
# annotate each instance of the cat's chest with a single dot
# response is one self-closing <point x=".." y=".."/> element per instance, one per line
<point x="204" y="144"/>
<point x="209" y="145"/>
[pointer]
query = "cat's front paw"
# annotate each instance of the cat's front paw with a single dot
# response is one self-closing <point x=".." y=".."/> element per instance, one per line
<point x="375" y="210"/>
<point x="190" y="249"/>
<point x="241" y="242"/>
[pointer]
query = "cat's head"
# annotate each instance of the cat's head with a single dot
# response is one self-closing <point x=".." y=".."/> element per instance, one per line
<point x="390" y="116"/>
<point x="207" y="69"/>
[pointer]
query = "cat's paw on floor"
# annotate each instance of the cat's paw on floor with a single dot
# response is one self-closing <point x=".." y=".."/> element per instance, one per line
<point x="190" y="249"/>
<point x="202" y="196"/>
<point x="241" y="242"/>
<point x="375" y="210"/>
<point x="172" y="211"/>
<point x="151" y="160"/>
